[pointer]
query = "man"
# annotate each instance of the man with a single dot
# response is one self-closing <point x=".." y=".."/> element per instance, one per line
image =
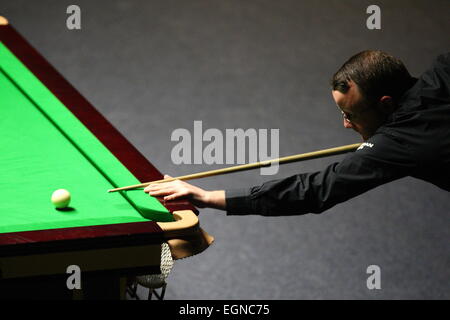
<point x="404" y="121"/>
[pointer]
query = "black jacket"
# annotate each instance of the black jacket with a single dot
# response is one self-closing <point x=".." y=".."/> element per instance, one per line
<point x="415" y="141"/>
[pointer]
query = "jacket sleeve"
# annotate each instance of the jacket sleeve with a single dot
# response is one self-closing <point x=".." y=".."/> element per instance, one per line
<point x="379" y="160"/>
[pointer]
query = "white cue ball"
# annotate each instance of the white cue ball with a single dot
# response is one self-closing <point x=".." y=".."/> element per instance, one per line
<point x="61" y="198"/>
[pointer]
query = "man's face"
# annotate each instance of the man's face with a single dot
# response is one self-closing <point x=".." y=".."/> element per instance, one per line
<point x="357" y="114"/>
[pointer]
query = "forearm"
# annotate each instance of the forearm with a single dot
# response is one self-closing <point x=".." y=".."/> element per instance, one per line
<point x="315" y="192"/>
<point x="215" y="199"/>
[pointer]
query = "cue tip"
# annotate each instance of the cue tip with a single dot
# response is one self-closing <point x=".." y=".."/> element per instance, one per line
<point x="3" y="21"/>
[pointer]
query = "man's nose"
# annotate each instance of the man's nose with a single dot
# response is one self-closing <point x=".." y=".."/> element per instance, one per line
<point x="347" y="124"/>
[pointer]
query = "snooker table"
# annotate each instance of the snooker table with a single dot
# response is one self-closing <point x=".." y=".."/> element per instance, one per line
<point x="54" y="138"/>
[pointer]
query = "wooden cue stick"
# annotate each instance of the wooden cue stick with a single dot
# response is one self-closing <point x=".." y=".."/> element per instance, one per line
<point x="288" y="159"/>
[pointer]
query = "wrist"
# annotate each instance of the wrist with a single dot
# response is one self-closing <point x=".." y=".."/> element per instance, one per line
<point x="215" y="199"/>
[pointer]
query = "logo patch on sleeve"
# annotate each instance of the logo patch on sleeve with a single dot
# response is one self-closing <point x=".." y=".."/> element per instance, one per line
<point x="365" y="144"/>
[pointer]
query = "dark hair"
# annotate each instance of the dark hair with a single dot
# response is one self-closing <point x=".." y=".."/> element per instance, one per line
<point x="376" y="74"/>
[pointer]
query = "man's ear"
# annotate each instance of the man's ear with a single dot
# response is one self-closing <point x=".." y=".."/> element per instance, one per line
<point x="387" y="105"/>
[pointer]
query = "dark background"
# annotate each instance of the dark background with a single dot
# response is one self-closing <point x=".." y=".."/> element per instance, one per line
<point x="154" y="66"/>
